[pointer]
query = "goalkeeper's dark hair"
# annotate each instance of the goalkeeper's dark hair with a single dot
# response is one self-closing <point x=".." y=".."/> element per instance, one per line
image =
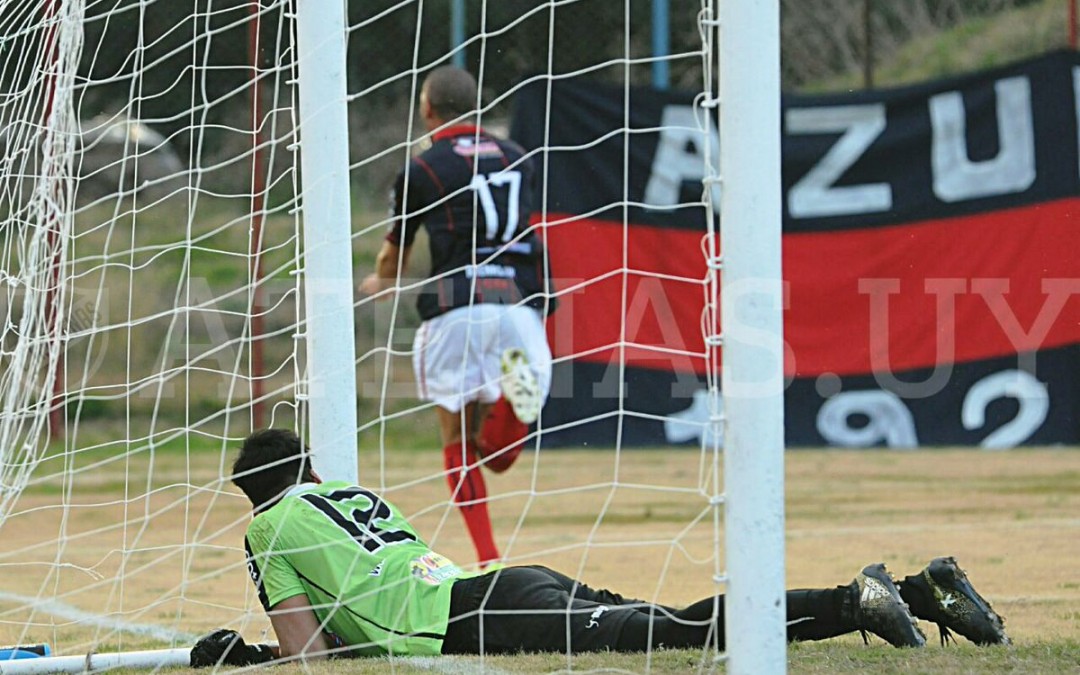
<point x="270" y="462"/>
<point x="451" y="92"/>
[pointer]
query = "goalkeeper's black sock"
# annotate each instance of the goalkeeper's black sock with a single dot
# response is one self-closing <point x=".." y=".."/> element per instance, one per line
<point x="812" y="614"/>
<point x="816" y="614"/>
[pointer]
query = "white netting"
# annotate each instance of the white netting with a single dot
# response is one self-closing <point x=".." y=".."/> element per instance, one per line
<point x="142" y="155"/>
<point x="38" y="123"/>
<point x="151" y="263"/>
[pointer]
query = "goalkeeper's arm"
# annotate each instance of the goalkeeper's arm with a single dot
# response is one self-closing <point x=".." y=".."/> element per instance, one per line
<point x="298" y="631"/>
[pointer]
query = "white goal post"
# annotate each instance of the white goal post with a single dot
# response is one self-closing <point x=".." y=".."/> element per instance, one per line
<point x="188" y="193"/>
<point x="324" y="133"/>
<point x="748" y="63"/>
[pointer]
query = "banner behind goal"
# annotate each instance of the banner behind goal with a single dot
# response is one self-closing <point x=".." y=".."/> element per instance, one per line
<point x="188" y="192"/>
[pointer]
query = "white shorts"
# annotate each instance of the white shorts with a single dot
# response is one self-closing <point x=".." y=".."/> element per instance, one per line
<point x="457" y="355"/>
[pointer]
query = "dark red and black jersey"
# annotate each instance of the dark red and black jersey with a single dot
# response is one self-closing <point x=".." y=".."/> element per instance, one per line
<point x="474" y="193"/>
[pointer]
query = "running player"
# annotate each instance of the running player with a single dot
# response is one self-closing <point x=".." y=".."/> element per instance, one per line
<point x="481" y="354"/>
<point x="342" y="573"/>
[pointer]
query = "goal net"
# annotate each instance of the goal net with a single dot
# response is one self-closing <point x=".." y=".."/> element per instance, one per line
<point x="164" y="185"/>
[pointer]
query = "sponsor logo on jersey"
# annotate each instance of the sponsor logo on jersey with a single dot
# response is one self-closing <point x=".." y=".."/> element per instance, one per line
<point x="490" y="271"/>
<point x="467" y="148"/>
<point x="376" y="571"/>
<point x="594" y="618"/>
<point x="433" y="568"/>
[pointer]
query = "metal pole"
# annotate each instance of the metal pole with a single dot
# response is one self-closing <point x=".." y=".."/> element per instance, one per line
<point x="457" y="32"/>
<point x="258" y="217"/>
<point x="661" y="42"/>
<point x="752" y="381"/>
<point x="868" y="44"/>
<point x="84" y="663"/>
<point x="327" y="266"/>
<point x="1072" y="23"/>
<point x="53" y="296"/>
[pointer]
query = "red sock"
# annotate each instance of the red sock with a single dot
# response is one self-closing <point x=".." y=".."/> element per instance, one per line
<point x="468" y="491"/>
<point x="501" y="437"/>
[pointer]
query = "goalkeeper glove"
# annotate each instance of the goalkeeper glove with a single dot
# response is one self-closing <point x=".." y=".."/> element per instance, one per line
<point x="226" y="646"/>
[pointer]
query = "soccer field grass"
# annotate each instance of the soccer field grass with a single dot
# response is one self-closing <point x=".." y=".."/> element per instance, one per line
<point x="633" y="521"/>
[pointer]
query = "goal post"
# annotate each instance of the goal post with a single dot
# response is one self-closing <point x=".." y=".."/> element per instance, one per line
<point x="149" y="659"/>
<point x="327" y="223"/>
<point x="752" y="333"/>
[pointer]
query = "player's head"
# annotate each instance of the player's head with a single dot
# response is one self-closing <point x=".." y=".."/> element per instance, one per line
<point x="270" y="462"/>
<point x="449" y="93"/>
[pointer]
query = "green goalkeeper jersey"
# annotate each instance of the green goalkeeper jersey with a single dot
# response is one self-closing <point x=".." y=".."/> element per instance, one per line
<point x="370" y="579"/>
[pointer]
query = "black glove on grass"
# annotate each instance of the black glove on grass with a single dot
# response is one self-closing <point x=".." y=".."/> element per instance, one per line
<point x="226" y="646"/>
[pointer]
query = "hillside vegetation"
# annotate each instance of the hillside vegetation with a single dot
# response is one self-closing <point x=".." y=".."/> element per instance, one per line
<point x="978" y="43"/>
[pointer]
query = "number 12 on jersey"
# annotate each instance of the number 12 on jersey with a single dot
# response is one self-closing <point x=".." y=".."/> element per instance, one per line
<point x="507" y="195"/>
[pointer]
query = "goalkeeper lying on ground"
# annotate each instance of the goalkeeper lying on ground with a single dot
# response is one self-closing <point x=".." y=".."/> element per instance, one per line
<point x="342" y="573"/>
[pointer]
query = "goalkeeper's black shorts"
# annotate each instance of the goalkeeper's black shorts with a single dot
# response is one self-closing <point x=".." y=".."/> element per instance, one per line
<point x="536" y="609"/>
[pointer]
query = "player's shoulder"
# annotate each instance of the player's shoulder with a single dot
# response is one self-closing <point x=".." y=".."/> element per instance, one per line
<point x="263" y="526"/>
<point x="418" y="165"/>
<point x="428" y="169"/>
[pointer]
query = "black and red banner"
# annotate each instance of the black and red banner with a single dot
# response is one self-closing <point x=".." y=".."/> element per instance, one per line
<point x="931" y="260"/>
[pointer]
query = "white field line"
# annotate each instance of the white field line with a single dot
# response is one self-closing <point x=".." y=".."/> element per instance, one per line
<point x="449" y="665"/>
<point x="71" y="613"/>
<point x="443" y="665"/>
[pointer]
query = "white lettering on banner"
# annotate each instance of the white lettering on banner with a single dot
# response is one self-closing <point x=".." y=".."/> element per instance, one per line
<point x="956" y="177"/>
<point x="694" y="423"/>
<point x="888" y="420"/>
<point x="816" y="195"/>
<point x="1029" y="392"/>
<point x="885" y="417"/>
<point x="680" y="157"/>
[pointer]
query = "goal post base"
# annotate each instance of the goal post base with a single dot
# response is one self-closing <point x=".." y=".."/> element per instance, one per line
<point x="150" y="659"/>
